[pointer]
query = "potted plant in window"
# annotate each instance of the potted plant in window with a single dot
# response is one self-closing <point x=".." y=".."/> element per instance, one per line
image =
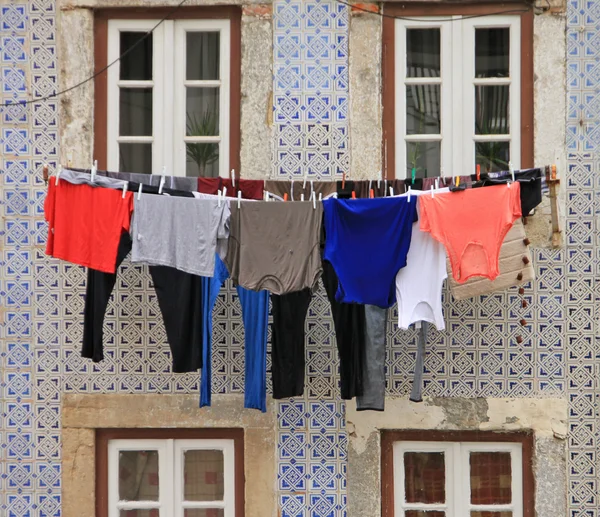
<point x="203" y="154"/>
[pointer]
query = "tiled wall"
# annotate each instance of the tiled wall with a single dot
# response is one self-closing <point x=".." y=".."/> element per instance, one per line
<point x="41" y="300"/>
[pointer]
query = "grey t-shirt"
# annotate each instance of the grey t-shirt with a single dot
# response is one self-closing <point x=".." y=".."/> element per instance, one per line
<point x="179" y="232"/>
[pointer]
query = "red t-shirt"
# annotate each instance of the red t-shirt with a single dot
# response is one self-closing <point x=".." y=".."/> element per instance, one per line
<point x="85" y="223"/>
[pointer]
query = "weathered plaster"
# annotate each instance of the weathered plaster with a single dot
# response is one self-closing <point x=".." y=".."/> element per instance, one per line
<point x="82" y="414"/>
<point x="101" y="4"/>
<point x="256" y="152"/>
<point x="365" y="95"/>
<point x="547" y="418"/>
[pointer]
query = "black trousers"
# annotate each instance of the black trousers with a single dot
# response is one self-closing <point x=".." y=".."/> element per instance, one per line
<point x="287" y="343"/>
<point x="180" y="300"/>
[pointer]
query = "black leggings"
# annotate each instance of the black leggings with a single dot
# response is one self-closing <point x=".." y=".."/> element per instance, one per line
<point x="180" y="300"/>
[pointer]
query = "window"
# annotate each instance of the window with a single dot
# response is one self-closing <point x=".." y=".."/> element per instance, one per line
<point x="458" y="88"/>
<point x="172" y="102"/>
<point x="144" y="474"/>
<point x="457" y="474"/>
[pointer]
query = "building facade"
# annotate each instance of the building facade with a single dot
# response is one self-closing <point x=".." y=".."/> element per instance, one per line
<point x="311" y="76"/>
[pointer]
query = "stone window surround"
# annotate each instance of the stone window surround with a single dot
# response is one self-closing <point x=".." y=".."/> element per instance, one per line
<point x="83" y="414"/>
<point x="545" y="418"/>
<point x="75" y="47"/>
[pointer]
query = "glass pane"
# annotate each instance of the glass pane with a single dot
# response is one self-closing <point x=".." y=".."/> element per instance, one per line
<point x="203" y="474"/>
<point x="202" y="111"/>
<point x="491" y="514"/>
<point x="425" y="477"/>
<point x="424" y="157"/>
<point x="202" y="56"/>
<point x="423" y="53"/>
<point x="135" y="158"/>
<point x="492" y="156"/>
<point x="204" y="512"/>
<point x="423" y="109"/>
<point x="154" y="512"/>
<point x="202" y="160"/>
<point x="491" y="110"/>
<point x="135" y="112"/>
<point x="492" y="49"/>
<point x="137" y="64"/>
<point x="423" y="513"/>
<point x="490" y="478"/>
<point x="138" y="476"/>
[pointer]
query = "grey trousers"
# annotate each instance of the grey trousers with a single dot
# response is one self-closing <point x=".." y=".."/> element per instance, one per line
<point x="373" y="366"/>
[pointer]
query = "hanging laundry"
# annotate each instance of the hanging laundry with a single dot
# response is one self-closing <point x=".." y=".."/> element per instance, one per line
<point x="287" y="343"/>
<point x="279" y="188"/>
<point x="419" y="284"/>
<point x="180" y="233"/>
<point x="275" y="246"/>
<point x="85" y="223"/>
<point x="515" y="266"/>
<point x="380" y="188"/>
<point x="373" y="368"/>
<point x="250" y="189"/>
<point x="416" y="394"/>
<point x="255" y="316"/>
<point x="367" y="243"/>
<point x="472" y="225"/>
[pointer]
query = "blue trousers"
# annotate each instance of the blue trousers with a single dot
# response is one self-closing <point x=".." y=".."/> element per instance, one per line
<point x="255" y="316"/>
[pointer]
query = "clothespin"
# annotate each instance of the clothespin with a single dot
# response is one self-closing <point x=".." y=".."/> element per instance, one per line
<point x="314" y="200"/>
<point x="370" y="185"/>
<point x="312" y="187"/>
<point x="140" y="192"/>
<point x="478" y="172"/>
<point x="304" y="182"/>
<point x="437" y="183"/>
<point x="385" y="188"/>
<point x="457" y="181"/>
<point x="292" y="190"/>
<point x="125" y="185"/>
<point x="219" y="198"/>
<point x="413" y="174"/>
<point x="233" y="178"/>
<point x="285" y="196"/>
<point x="371" y="193"/>
<point x="162" y="179"/>
<point x="224" y="192"/>
<point x="45" y="173"/>
<point x="343" y="180"/>
<point x="57" y="175"/>
<point x="320" y="196"/>
<point x="512" y="170"/>
<point x="302" y="196"/>
<point x="392" y="191"/>
<point x="353" y="195"/>
<point x="409" y="189"/>
<point x="380" y="178"/>
<point x="264" y="195"/>
<point x="94" y="170"/>
<point x="239" y="196"/>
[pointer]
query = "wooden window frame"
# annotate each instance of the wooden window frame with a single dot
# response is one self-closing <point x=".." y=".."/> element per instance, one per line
<point x="231" y="13"/>
<point x="421" y="9"/>
<point x="103" y="436"/>
<point x="389" y="437"/>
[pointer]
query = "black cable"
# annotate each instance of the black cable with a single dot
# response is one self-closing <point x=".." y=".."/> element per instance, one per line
<point x="427" y="18"/>
<point x="102" y="70"/>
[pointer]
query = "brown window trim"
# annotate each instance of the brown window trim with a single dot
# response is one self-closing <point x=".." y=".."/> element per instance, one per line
<point x="427" y="9"/>
<point x="387" y="459"/>
<point x="231" y="13"/>
<point x="103" y="436"/>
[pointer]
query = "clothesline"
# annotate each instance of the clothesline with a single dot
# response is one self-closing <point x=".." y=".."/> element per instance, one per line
<point x="369" y="252"/>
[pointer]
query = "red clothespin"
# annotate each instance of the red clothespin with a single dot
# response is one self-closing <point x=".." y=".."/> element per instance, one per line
<point x="285" y="196"/>
<point x="353" y="195"/>
<point x="371" y="194"/>
<point x="478" y="172"/>
<point x="343" y="180"/>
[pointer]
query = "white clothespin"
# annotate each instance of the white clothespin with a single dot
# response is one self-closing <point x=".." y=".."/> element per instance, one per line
<point x="392" y="191"/>
<point x="312" y="188"/>
<point x="320" y="196"/>
<point x="94" y="170"/>
<point x="292" y="191"/>
<point x="125" y="185"/>
<point x="233" y="178"/>
<point x="219" y="198"/>
<point x="302" y="196"/>
<point x="224" y="192"/>
<point x="304" y="182"/>
<point x="314" y="200"/>
<point x="409" y="194"/>
<point x="437" y="183"/>
<point x="162" y="179"/>
<point x="264" y="195"/>
<point x="370" y="188"/>
<point x="140" y="192"/>
<point x="57" y="175"/>
<point x="385" y="188"/>
<point x="379" y="180"/>
<point x="512" y="170"/>
<point x="239" y="196"/>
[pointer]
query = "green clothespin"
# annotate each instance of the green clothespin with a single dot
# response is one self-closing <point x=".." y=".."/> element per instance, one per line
<point x="413" y="173"/>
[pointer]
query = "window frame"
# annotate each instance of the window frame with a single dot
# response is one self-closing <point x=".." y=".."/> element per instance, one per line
<point x="110" y="440"/>
<point x="187" y="16"/>
<point x="392" y="75"/>
<point x="438" y="440"/>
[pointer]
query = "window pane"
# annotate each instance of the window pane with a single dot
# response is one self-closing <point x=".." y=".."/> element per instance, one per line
<point x="423" y="109"/>
<point x="492" y="156"/>
<point x="135" y="158"/>
<point x="202" y="56"/>
<point x="137" y="64"/>
<point x="202" y="111"/>
<point x="135" y="112"/>
<point x="204" y="512"/>
<point x="138" y="476"/>
<point x="424" y="157"/>
<point x="492" y="49"/>
<point x="203" y="474"/>
<point x="423" y="53"/>
<point x="492" y="110"/>
<point x="491" y="514"/>
<point x="490" y="478"/>
<point x="423" y="513"/>
<point x="425" y="477"/>
<point x="202" y="160"/>
<point x="154" y="512"/>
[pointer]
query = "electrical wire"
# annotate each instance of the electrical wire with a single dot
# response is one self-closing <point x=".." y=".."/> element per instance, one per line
<point x="102" y="70"/>
<point x="428" y="18"/>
